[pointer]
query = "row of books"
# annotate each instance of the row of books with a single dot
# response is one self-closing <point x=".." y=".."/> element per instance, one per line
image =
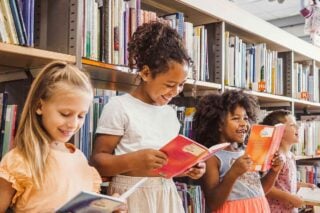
<point x="17" y="22"/>
<point x="108" y="27"/>
<point x="8" y="117"/>
<point x="255" y="66"/>
<point x="185" y="117"/>
<point x="309" y="136"/>
<point x="309" y="174"/>
<point x="85" y="137"/>
<point x="192" y="197"/>
<point x="306" y="81"/>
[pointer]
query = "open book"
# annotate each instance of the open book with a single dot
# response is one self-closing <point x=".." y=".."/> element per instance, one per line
<point x="183" y="153"/>
<point x="310" y="196"/>
<point x="86" y="202"/>
<point x="263" y="142"/>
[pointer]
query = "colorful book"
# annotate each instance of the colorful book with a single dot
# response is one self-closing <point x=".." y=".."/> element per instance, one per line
<point x="183" y="153"/>
<point x="310" y="196"/>
<point x="94" y="202"/>
<point x="263" y="142"/>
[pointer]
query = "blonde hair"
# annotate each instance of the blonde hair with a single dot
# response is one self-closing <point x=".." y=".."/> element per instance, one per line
<point x="31" y="139"/>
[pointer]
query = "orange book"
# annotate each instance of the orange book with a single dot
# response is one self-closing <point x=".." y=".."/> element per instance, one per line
<point x="263" y="142"/>
<point x="183" y="153"/>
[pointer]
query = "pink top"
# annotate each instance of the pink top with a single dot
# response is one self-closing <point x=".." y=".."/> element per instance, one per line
<point x="287" y="181"/>
<point x="68" y="173"/>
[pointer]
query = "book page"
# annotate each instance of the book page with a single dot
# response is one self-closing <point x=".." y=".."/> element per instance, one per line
<point x="310" y="195"/>
<point x="93" y="202"/>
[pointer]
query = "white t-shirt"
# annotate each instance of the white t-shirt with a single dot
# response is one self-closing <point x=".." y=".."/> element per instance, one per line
<point x="141" y="125"/>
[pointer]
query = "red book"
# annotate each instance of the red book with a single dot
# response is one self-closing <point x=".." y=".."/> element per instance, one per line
<point x="263" y="142"/>
<point x="183" y="153"/>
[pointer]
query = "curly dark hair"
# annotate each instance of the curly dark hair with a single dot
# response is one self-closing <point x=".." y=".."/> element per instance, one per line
<point x="275" y="117"/>
<point x="212" y="110"/>
<point x="156" y="44"/>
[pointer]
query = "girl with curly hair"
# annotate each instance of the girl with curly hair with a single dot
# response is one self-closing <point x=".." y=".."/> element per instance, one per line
<point x="133" y="127"/>
<point x="229" y="184"/>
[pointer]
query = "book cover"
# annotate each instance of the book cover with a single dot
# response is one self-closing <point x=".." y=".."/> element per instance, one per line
<point x="86" y="202"/>
<point x="183" y="153"/>
<point x="310" y="196"/>
<point x="263" y="142"/>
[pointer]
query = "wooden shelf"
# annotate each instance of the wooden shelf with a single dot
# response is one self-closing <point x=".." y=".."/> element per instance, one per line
<point x="308" y="105"/>
<point x="15" y="56"/>
<point x="264" y="97"/>
<point x="162" y="7"/>
<point x="110" y="76"/>
<point x="302" y="157"/>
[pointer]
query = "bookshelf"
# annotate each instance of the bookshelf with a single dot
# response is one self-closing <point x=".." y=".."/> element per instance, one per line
<point x="249" y="28"/>
<point x="60" y="26"/>
<point x="26" y="57"/>
<point x="224" y="16"/>
<point x="302" y="157"/>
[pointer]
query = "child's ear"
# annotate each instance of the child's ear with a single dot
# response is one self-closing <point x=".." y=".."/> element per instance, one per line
<point x="39" y="108"/>
<point x="145" y="73"/>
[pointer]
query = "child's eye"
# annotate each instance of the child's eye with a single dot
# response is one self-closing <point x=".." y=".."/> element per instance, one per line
<point x="170" y="86"/>
<point x="64" y="114"/>
<point x="82" y="116"/>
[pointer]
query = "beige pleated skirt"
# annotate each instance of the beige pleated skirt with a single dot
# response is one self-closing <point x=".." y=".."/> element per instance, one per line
<point x="156" y="195"/>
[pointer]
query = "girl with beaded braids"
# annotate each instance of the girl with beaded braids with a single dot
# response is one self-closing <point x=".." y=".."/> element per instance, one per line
<point x="133" y="127"/>
<point x="229" y="185"/>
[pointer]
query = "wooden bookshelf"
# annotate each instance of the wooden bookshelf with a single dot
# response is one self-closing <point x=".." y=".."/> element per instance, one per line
<point x="252" y="27"/>
<point x="110" y="76"/>
<point x="28" y="57"/>
<point x="303" y="157"/>
<point x="301" y="104"/>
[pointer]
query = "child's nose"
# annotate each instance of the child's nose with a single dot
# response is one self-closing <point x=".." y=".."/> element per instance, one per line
<point x="176" y="90"/>
<point x="243" y="122"/>
<point x="72" y="122"/>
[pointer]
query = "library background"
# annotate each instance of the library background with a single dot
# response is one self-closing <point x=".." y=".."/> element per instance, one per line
<point x="231" y="49"/>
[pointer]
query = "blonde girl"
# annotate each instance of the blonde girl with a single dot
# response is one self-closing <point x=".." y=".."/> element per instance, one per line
<point x="43" y="171"/>
<point x="282" y="197"/>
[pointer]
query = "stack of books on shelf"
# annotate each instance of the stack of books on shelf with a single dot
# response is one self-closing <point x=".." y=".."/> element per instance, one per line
<point x="17" y="22"/>
<point x="8" y="118"/>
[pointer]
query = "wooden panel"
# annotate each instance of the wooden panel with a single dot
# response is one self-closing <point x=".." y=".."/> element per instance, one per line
<point x="27" y="57"/>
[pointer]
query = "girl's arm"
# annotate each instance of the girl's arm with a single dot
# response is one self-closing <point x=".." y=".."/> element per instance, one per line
<point x="285" y="197"/>
<point x="138" y="163"/>
<point x="307" y="185"/>
<point x="217" y="193"/>
<point x="6" y="194"/>
<point x="270" y="178"/>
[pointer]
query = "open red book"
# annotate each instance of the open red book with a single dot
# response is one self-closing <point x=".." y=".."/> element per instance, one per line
<point x="263" y="142"/>
<point x="183" y="153"/>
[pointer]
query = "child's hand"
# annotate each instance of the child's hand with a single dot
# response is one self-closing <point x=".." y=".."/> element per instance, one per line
<point x="296" y="201"/>
<point x="308" y="185"/>
<point x="196" y="171"/>
<point x="241" y="165"/>
<point x="122" y="208"/>
<point x="149" y="159"/>
<point x="277" y="162"/>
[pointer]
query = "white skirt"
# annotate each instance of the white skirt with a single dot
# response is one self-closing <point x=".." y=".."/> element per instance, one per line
<point x="156" y="195"/>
